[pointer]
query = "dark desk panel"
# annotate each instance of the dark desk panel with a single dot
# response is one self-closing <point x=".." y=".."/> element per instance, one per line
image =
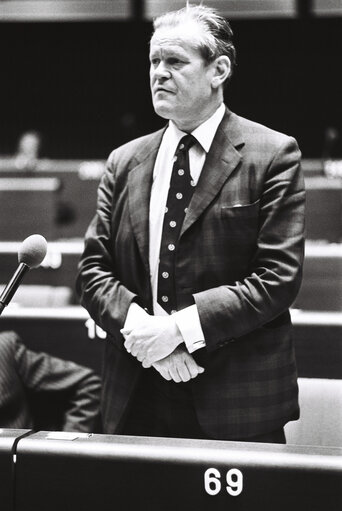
<point x="318" y="343"/>
<point x="59" y="267"/>
<point x="27" y="206"/>
<point x="65" y="332"/>
<point x="321" y="288"/>
<point x="157" y="474"/>
<point x="312" y="167"/>
<point x="323" y="209"/>
<point x="8" y="439"/>
<point x="69" y="333"/>
<point x="79" y="181"/>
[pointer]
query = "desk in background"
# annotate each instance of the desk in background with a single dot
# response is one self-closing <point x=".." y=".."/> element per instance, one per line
<point x="321" y="287"/>
<point x="79" y="181"/>
<point x="64" y="332"/>
<point x="69" y="333"/>
<point x="323" y="212"/>
<point x="77" y="192"/>
<point x="28" y="205"/>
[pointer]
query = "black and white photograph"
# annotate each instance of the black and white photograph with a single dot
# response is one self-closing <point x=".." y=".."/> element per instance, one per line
<point x="171" y="255"/>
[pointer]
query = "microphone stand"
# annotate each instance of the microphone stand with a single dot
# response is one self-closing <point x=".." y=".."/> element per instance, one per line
<point x="12" y="286"/>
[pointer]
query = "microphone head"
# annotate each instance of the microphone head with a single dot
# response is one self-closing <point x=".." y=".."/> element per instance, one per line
<point x="33" y="250"/>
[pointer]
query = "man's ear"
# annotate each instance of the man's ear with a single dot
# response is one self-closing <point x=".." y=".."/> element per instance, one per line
<point x="222" y="68"/>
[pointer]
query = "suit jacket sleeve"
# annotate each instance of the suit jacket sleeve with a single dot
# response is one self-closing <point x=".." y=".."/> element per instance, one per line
<point x="230" y="311"/>
<point x="42" y="372"/>
<point x="101" y="292"/>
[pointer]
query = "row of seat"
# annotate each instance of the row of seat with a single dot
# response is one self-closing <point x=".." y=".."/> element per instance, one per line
<point x="68" y="332"/>
<point x="53" y="283"/>
<point x="58" y="199"/>
<point x="75" y="183"/>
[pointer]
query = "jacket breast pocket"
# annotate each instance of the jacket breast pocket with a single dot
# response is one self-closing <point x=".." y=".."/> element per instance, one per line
<point x="237" y="211"/>
<point x="241" y="222"/>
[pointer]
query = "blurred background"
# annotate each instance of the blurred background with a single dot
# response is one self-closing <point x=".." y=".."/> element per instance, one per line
<point x="74" y="85"/>
<point x="77" y="71"/>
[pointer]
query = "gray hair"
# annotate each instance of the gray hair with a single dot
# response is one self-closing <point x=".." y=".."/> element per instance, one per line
<point x="217" y="37"/>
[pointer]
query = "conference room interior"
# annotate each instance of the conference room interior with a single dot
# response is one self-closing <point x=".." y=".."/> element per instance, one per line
<point x="74" y="82"/>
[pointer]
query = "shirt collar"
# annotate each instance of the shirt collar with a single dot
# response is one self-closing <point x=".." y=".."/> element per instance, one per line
<point x="204" y="133"/>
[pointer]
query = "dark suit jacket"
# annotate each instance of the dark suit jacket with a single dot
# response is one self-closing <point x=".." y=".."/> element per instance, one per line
<point x="24" y="372"/>
<point x="239" y="259"/>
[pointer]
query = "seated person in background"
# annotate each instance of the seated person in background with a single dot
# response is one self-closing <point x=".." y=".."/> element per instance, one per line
<point x="28" y="150"/>
<point x="24" y="372"/>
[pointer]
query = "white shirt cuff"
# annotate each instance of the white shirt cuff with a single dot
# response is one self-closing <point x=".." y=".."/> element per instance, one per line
<point x="189" y="324"/>
<point x="135" y="315"/>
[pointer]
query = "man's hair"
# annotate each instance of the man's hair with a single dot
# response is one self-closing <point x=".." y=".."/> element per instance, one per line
<point x="217" y="37"/>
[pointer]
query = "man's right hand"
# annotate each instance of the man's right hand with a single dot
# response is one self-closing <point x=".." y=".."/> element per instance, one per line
<point x="179" y="366"/>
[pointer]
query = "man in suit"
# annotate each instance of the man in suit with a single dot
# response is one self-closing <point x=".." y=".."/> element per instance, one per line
<point x="26" y="374"/>
<point x="195" y="255"/>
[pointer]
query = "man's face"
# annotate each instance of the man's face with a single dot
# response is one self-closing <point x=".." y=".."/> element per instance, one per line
<point x="179" y="77"/>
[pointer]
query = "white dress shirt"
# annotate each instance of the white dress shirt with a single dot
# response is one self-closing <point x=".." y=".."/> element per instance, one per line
<point x="187" y="319"/>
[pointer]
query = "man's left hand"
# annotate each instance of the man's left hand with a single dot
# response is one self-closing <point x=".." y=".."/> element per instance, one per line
<point x="153" y="340"/>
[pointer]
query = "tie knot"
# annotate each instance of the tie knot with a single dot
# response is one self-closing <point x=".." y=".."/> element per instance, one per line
<point x="185" y="143"/>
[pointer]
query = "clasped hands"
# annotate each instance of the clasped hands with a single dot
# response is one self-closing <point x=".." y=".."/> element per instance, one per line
<point x="157" y="342"/>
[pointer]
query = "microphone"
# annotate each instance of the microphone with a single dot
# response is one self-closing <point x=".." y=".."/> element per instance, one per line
<point x="31" y="254"/>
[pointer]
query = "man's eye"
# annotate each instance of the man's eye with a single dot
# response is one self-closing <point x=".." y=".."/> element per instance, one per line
<point x="173" y="61"/>
<point x="155" y="62"/>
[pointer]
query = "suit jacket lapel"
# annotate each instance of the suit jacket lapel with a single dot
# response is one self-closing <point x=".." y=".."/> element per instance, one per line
<point x="221" y="160"/>
<point x="139" y="192"/>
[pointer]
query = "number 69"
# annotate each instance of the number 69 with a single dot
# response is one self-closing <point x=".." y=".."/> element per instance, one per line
<point x="212" y="481"/>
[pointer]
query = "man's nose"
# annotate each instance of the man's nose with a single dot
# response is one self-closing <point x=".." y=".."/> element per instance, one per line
<point x="161" y="72"/>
